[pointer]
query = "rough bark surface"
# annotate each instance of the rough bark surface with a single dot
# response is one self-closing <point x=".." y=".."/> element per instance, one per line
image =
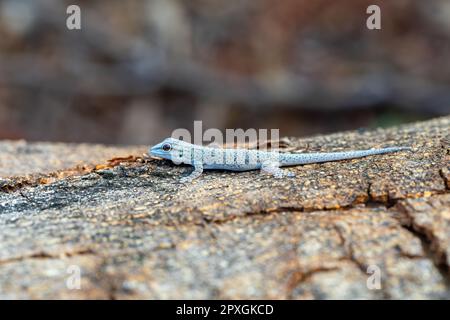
<point x="135" y="232"/>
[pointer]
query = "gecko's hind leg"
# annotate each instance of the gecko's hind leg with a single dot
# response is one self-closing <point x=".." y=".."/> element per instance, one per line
<point x="274" y="169"/>
<point x="198" y="170"/>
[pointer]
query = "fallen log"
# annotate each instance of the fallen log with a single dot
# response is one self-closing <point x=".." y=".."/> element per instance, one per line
<point x="74" y="225"/>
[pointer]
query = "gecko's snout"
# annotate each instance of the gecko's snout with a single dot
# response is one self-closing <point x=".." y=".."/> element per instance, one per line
<point x="161" y="150"/>
<point x="153" y="151"/>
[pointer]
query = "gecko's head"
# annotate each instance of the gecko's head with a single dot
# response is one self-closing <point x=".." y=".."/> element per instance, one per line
<point x="170" y="149"/>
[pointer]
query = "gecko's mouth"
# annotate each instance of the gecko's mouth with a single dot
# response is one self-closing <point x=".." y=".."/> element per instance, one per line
<point x="156" y="151"/>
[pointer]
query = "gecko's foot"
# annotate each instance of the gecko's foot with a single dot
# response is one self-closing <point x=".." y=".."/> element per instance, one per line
<point x="289" y="174"/>
<point x="194" y="175"/>
<point x="185" y="180"/>
<point x="283" y="173"/>
<point x="279" y="174"/>
<point x="274" y="169"/>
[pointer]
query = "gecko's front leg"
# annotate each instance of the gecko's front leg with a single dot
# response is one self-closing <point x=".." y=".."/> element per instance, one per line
<point x="274" y="169"/>
<point x="198" y="170"/>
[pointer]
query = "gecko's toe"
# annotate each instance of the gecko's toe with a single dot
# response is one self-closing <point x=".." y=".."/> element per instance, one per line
<point x="282" y="174"/>
<point x="290" y="174"/>
<point x="185" y="180"/>
<point x="278" y="175"/>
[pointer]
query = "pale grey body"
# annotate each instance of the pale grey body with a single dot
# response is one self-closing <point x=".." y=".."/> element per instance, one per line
<point x="244" y="160"/>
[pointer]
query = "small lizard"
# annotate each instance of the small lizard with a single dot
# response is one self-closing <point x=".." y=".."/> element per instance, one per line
<point x="244" y="160"/>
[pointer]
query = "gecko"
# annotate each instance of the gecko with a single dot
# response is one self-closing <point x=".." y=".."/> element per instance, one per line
<point x="210" y="158"/>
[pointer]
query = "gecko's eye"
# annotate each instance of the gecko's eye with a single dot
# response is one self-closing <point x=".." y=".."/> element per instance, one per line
<point x="167" y="147"/>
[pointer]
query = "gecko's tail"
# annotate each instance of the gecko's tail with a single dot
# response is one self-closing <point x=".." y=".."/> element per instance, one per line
<point x="306" y="158"/>
<point x="380" y="151"/>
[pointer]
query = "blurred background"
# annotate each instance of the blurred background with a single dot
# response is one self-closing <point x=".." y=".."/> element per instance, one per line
<point x="139" y="69"/>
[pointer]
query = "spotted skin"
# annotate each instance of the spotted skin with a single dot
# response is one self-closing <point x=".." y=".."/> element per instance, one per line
<point x="207" y="158"/>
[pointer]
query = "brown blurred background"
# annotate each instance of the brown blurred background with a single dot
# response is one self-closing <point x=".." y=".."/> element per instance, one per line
<point x="139" y="69"/>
